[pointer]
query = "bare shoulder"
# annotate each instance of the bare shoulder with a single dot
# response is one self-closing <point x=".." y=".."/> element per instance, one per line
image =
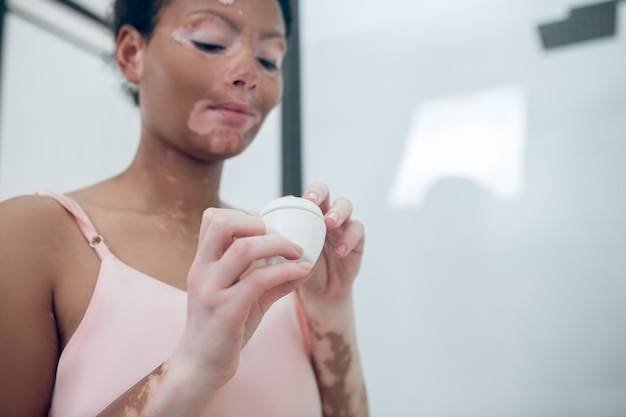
<point x="33" y="233"/>
<point x="26" y="212"/>
<point x="38" y="238"/>
<point x="30" y="230"/>
<point x="32" y="225"/>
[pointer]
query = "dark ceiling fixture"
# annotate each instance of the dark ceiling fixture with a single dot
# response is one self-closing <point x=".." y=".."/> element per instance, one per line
<point x="583" y="24"/>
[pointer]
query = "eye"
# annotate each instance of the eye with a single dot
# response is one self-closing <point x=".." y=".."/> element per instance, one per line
<point x="208" y="47"/>
<point x="268" y="65"/>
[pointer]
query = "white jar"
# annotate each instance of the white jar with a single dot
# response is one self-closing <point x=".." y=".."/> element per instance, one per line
<point x="300" y="221"/>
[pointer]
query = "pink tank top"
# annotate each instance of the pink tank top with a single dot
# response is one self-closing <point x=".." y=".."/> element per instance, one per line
<point x="134" y="322"/>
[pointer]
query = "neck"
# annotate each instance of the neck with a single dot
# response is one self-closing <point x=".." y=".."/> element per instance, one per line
<point x="167" y="179"/>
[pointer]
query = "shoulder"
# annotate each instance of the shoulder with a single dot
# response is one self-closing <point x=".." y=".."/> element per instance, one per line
<point x="27" y="217"/>
<point x="29" y="230"/>
<point x="32" y="227"/>
<point x="25" y="206"/>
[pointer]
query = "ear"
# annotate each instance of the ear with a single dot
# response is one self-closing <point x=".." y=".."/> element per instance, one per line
<point x="130" y="53"/>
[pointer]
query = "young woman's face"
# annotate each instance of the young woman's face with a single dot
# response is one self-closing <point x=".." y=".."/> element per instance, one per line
<point x="211" y="74"/>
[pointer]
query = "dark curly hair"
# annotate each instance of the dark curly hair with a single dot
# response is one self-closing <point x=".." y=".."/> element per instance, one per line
<point x="143" y="15"/>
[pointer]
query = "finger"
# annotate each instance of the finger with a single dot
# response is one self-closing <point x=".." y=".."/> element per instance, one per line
<point x="352" y="240"/>
<point x="207" y="215"/>
<point x="220" y="228"/>
<point x="340" y="211"/>
<point x="319" y="194"/>
<point x="246" y="251"/>
<point x="275" y="280"/>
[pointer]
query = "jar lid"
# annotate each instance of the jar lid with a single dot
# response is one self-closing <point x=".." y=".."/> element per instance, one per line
<point x="291" y="202"/>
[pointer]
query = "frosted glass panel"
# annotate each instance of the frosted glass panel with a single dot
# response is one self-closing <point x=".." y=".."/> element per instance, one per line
<point x="473" y="300"/>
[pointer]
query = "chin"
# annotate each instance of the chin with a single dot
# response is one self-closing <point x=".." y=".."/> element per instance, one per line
<point x="224" y="144"/>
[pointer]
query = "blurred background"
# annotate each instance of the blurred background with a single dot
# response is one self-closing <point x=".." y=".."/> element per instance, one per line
<point x="483" y="144"/>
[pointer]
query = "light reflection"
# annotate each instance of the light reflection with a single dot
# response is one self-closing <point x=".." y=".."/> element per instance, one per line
<point x="478" y="136"/>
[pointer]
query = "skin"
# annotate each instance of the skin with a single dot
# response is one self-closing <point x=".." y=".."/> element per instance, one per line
<point x="166" y="206"/>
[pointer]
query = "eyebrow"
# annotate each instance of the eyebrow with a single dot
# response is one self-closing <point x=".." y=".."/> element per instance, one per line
<point x="234" y="26"/>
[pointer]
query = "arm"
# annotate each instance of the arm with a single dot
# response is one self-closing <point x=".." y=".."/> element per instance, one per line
<point x="327" y="302"/>
<point x="28" y="333"/>
<point x="336" y="360"/>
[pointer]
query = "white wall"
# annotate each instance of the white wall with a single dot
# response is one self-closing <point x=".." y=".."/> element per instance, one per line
<point x="471" y="305"/>
<point x="66" y="124"/>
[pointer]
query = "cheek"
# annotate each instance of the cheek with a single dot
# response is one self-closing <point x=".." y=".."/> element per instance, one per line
<point x="175" y="85"/>
<point x="167" y="82"/>
<point x="177" y="68"/>
<point x="190" y="77"/>
<point x="273" y="92"/>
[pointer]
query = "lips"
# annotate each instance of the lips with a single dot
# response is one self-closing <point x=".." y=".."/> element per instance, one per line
<point x="237" y="113"/>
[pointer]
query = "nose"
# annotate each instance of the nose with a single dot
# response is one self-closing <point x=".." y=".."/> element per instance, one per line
<point x="243" y="71"/>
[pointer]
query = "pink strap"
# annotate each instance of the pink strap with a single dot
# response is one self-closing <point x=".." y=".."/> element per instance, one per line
<point x="304" y="324"/>
<point x="94" y="239"/>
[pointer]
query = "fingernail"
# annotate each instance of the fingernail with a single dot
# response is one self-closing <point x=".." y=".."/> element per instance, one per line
<point x="312" y="195"/>
<point x="304" y="265"/>
<point x="299" y="249"/>
<point x="341" y="250"/>
<point x="333" y="216"/>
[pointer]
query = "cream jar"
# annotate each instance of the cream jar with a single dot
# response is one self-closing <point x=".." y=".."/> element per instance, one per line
<point x="300" y="221"/>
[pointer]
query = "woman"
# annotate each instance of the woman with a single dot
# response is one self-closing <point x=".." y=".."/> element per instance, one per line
<point x="153" y="305"/>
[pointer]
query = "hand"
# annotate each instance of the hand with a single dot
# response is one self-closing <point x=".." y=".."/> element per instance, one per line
<point x="340" y="259"/>
<point x="226" y="298"/>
